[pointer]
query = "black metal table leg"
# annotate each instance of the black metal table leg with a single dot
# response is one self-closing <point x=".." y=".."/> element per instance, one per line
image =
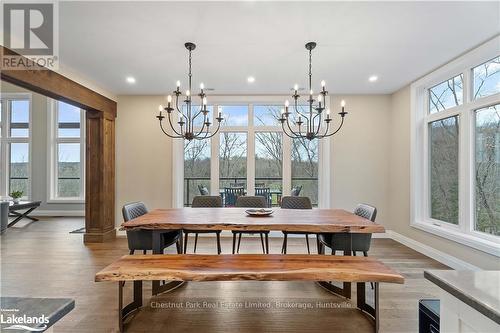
<point x="20" y="216"/>
<point x="157" y="287"/>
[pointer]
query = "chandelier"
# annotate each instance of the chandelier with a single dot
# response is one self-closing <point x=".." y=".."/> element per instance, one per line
<point x="308" y="125"/>
<point x="188" y="113"/>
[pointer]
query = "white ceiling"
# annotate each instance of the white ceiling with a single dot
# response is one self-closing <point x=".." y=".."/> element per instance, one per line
<point x="398" y="41"/>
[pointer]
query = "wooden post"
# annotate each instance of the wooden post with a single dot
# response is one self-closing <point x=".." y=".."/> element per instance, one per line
<point x="100" y="177"/>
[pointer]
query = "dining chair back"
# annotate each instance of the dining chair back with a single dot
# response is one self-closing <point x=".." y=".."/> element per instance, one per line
<point x="293" y="202"/>
<point x="231" y="194"/>
<point x="203" y="189"/>
<point x="296" y="191"/>
<point x="207" y="201"/>
<point x="359" y="242"/>
<point x="251" y="202"/>
<point x="264" y="192"/>
<point x="201" y="201"/>
<point x="143" y="239"/>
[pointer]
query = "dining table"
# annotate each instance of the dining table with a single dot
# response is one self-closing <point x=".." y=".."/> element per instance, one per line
<point x="317" y="220"/>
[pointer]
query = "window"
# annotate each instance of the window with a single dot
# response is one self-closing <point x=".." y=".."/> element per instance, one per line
<point x="250" y="151"/>
<point x="443" y="138"/>
<point x="196" y="168"/>
<point x="486" y="78"/>
<point x="456" y="150"/>
<point x="232" y="159"/>
<point x="15" y="132"/>
<point x="305" y="168"/>
<point x="487" y="170"/>
<point x="66" y="143"/>
<point x="446" y="95"/>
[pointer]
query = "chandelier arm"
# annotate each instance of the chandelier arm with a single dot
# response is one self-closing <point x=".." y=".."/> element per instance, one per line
<point x="291" y="130"/>
<point x="177" y="106"/>
<point x="167" y="134"/>
<point x="172" y="126"/>
<point x="213" y="133"/>
<point x="198" y="113"/>
<point x="291" y="134"/>
<point x="297" y="110"/>
<point x="202" y="127"/>
<point x="338" y="129"/>
<point x="319" y="123"/>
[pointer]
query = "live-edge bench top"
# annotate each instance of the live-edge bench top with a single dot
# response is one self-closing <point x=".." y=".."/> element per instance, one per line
<point x="259" y="267"/>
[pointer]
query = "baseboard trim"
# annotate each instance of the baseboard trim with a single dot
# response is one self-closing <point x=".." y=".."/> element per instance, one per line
<point x="431" y="252"/>
<point x="57" y="213"/>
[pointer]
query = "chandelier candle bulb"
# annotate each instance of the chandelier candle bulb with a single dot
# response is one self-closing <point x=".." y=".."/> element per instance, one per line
<point x="188" y="93"/>
<point x="202" y="86"/>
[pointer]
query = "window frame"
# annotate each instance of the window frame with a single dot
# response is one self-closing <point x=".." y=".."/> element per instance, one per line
<point x="464" y="232"/>
<point x="6" y="140"/>
<point x="250" y="130"/>
<point x="52" y="161"/>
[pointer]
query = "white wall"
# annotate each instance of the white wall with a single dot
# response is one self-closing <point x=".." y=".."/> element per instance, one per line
<point x="399" y="189"/>
<point x="143" y="155"/>
<point x="360" y="154"/>
<point x="39" y="154"/>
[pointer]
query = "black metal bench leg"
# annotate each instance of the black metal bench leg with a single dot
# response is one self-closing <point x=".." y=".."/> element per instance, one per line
<point x="124" y="312"/>
<point x="239" y="242"/>
<point x="267" y="243"/>
<point x="195" y="241"/>
<point x="372" y="311"/>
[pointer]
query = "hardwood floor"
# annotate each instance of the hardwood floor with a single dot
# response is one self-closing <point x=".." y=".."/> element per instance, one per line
<point x="44" y="260"/>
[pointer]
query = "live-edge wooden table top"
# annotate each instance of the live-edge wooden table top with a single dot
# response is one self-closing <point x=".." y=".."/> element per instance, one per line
<point x="305" y="220"/>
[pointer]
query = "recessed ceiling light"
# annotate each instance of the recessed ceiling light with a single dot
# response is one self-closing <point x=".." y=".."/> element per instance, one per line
<point x="373" y="78"/>
<point x="250" y="79"/>
<point x="130" y="79"/>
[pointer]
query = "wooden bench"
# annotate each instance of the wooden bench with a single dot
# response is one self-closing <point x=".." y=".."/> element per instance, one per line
<point x="248" y="267"/>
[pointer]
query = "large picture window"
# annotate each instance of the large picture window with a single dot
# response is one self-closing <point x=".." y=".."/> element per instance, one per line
<point x="66" y="142"/>
<point x="456" y="150"/>
<point x="15" y="152"/>
<point x="251" y="155"/>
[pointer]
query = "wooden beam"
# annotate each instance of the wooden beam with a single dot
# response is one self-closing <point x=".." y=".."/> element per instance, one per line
<point x="54" y="85"/>
<point x="100" y="139"/>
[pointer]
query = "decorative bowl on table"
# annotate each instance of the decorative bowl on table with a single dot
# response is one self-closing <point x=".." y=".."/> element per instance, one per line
<point x="259" y="212"/>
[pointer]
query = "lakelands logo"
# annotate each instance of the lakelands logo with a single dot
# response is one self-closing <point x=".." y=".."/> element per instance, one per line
<point x="29" y="29"/>
<point x="24" y="322"/>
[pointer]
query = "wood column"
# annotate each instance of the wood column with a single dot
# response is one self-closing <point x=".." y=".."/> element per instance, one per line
<point x="100" y="177"/>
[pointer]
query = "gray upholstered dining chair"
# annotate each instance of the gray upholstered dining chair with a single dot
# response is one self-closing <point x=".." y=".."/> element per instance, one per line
<point x="295" y="203"/>
<point x="251" y="202"/>
<point x="201" y="201"/>
<point x="359" y="242"/>
<point x="143" y="239"/>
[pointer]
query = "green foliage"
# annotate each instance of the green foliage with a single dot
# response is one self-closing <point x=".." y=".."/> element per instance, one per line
<point x="16" y="194"/>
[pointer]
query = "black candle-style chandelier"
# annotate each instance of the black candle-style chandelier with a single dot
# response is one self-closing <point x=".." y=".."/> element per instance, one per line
<point x="313" y="118"/>
<point x="188" y="117"/>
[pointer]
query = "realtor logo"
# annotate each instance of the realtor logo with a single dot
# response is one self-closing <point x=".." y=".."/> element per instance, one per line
<point x="29" y="29"/>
